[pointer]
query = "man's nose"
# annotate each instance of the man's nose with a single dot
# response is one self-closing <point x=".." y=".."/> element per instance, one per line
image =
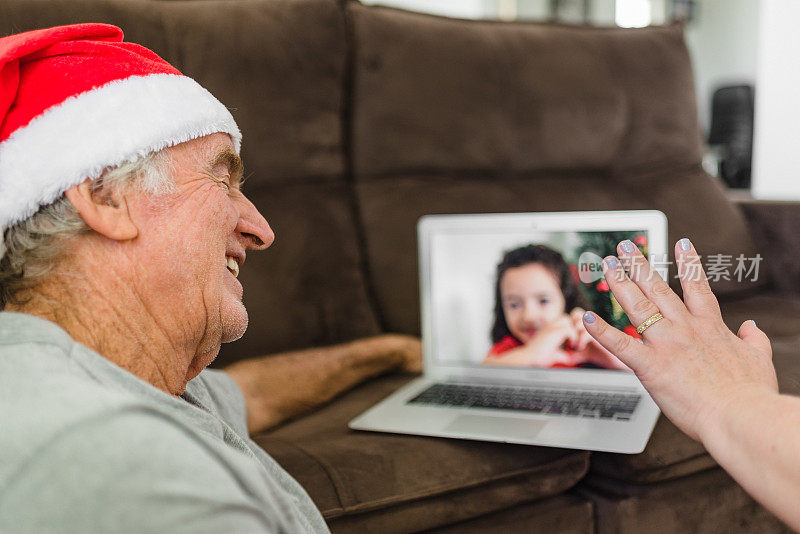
<point x="253" y="229"/>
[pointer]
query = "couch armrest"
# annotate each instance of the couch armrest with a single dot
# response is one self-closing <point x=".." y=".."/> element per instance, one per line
<point x="775" y="225"/>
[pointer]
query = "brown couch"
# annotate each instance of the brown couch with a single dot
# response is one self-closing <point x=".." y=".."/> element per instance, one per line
<point x="358" y="120"/>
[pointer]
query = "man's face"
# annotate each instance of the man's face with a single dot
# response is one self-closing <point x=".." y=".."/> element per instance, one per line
<point x="192" y="242"/>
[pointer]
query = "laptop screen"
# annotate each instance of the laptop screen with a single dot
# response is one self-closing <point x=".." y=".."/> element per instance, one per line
<point x="516" y="297"/>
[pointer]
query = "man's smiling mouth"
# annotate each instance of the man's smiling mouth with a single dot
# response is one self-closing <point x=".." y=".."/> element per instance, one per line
<point x="233" y="265"/>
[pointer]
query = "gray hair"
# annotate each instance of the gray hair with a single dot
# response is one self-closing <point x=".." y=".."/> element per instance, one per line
<point x="32" y="245"/>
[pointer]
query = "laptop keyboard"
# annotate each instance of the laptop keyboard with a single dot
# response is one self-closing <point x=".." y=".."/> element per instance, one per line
<point x="618" y="406"/>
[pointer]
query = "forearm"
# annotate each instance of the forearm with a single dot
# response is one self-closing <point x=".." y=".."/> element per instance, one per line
<point x="281" y="386"/>
<point x="757" y="440"/>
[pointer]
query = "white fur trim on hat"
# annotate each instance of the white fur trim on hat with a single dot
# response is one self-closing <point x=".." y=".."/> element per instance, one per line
<point x="116" y="123"/>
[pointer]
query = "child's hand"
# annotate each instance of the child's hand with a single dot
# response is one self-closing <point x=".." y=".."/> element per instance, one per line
<point x="587" y="349"/>
<point x="551" y="340"/>
<point x="546" y="347"/>
<point x="581" y="338"/>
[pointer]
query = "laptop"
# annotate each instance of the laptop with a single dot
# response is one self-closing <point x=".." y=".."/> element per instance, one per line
<point x="503" y="358"/>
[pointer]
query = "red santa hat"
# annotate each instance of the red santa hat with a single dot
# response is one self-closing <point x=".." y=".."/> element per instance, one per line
<point x="75" y="100"/>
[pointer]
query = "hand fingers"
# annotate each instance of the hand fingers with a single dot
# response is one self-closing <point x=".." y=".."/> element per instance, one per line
<point x="638" y="307"/>
<point x="574" y="336"/>
<point x="754" y="336"/>
<point x="563" y="324"/>
<point x="583" y="338"/>
<point x="697" y="294"/>
<point x="577" y="314"/>
<point x="563" y="321"/>
<point x="623" y="346"/>
<point x="649" y="281"/>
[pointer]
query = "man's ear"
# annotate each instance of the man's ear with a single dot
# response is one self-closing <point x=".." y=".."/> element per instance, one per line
<point x="105" y="211"/>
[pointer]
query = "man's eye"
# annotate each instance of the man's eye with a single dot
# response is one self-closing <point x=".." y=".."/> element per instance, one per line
<point x="544" y="302"/>
<point x="224" y="184"/>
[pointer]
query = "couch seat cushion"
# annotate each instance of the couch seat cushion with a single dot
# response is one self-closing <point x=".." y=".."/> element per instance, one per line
<point x="372" y="481"/>
<point x="710" y="502"/>
<point x="565" y="514"/>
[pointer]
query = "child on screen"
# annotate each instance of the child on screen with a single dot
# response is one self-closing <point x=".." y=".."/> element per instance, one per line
<point x="538" y="311"/>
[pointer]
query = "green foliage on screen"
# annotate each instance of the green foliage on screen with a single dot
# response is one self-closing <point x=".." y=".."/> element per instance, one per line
<point x="600" y="299"/>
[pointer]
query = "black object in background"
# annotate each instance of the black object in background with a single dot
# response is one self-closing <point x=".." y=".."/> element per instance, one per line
<point x="732" y="117"/>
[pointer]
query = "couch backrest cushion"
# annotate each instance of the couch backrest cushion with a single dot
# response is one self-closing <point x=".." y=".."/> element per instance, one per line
<point x="453" y="116"/>
<point x="279" y="66"/>
<point x="467" y="95"/>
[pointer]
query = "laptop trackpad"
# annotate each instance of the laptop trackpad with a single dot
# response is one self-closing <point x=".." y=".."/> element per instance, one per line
<point x="511" y="428"/>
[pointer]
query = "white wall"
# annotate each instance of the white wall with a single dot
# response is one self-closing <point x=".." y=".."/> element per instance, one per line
<point x="776" y="163"/>
<point x="468" y="9"/>
<point x="602" y="11"/>
<point x="723" y="43"/>
<point x="533" y="9"/>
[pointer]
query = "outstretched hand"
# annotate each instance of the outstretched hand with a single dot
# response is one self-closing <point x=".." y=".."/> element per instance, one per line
<point x="690" y="362"/>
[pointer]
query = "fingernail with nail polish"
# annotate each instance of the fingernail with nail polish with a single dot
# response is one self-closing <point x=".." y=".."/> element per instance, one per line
<point x="626" y="246"/>
<point x="588" y="317"/>
<point x="685" y="244"/>
<point x="611" y="262"/>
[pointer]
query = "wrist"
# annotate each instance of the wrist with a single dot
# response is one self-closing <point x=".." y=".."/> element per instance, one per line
<point x="723" y="420"/>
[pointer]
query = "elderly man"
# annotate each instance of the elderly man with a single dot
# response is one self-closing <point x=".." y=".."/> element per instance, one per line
<point x="124" y="229"/>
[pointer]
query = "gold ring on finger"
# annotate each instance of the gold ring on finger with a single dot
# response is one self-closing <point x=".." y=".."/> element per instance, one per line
<point x="650" y="321"/>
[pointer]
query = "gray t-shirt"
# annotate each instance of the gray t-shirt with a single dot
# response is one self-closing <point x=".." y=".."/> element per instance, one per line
<point x="86" y="446"/>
